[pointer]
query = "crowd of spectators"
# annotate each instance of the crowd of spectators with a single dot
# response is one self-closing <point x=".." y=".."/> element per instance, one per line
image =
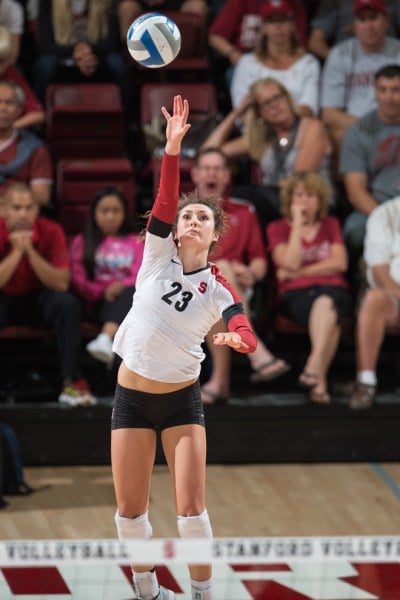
<point x="312" y="130"/>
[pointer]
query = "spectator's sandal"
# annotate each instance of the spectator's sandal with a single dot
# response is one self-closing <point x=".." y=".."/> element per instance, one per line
<point x="209" y="397"/>
<point x="269" y="370"/>
<point x="319" y="397"/>
<point x="307" y="380"/>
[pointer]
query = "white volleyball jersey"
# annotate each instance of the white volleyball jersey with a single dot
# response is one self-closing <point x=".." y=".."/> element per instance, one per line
<point x="161" y="336"/>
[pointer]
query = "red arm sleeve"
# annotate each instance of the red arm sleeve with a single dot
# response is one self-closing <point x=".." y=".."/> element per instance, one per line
<point x="240" y="324"/>
<point x="167" y="198"/>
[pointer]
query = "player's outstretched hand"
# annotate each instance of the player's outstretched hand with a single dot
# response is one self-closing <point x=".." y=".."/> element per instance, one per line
<point x="231" y="339"/>
<point x="177" y="125"/>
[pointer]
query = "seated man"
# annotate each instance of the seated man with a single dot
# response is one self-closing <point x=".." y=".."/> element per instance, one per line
<point x="34" y="281"/>
<point x="347" y="91"/>
<point x="32" y="112"/>
<point x="23" y="156"/>
<point x="380" y="307"/>
<point x="241" y="258"/>
<point x="370" y="160"/>
<point x="333" y="22"/>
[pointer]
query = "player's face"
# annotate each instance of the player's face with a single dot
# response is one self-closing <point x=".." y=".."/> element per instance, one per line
<point x="109" y="214"/>
<point x="308" y="200"/>
<point x="21" y="211"/>
<point x="387" y="92"/>
<point x="370" y="27"/>
<point x="196" y="227"/>
<point x="211" y="175"/>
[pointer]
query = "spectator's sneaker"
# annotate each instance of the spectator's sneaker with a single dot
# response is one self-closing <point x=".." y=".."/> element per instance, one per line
<point x="363" y="396"/>
<point x="101" y="347"/>
<point x="77" y="393"/>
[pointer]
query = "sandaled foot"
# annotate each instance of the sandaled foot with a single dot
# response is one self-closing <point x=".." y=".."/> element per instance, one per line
<point x="308" y="380"/>
<point x="209" y="397"/>
<point x="270" y="370"/>
<point x="319" y="397"/>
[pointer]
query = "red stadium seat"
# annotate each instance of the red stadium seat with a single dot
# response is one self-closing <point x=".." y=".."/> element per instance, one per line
<point x="79" y="180"/>
<point x="203" y="102"/>
<point x="84" y="120"/>
<point x="192" y="56"/>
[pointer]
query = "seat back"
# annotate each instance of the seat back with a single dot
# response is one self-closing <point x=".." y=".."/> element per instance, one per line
<point x="194" y="37"/>
<point x="202" y="98"/>
<point x="84" y="120"/>
<point x="194" y="45"/>
<point x="203" y="102"/>
<point x="79" y="180"/>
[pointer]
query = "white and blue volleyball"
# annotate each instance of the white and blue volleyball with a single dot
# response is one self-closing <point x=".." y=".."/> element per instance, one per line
<point x="154" y="40"/>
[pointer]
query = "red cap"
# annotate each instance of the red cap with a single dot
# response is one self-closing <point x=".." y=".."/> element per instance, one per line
<point x="277" y="7"/>
<point x="378" y="5"/>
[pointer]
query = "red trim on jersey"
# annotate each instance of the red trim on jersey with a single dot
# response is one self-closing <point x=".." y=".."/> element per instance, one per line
<point x="167" y="198"/>
<point x="239" y="323"/>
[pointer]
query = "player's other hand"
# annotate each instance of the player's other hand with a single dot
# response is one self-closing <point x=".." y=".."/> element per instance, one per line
<point x="231" y="339"/>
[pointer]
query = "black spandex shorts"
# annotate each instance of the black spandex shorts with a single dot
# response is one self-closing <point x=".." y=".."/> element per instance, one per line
<point x="297" y="304"/>
<point x="133" y="409"/>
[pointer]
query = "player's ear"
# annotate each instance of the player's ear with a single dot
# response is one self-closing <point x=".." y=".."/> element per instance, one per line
<point x="215" y="236"/>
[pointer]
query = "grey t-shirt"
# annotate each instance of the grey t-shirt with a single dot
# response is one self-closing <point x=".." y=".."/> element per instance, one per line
<point x="372" y="147"/>
<point x="348" y="75"/>
<point x="335" y="19"/>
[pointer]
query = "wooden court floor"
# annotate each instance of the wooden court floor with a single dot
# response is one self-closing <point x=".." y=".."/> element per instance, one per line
<point x="245" y="500"/>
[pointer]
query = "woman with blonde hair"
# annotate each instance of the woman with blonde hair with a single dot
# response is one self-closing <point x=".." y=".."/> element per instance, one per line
<point x="278" y="54"/>
<point x="277" y="138"/>
<point x="79" y="41"/>
<point x="310" y="259"/>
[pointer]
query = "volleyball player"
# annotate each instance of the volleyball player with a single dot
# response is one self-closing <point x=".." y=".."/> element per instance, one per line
<point x="179" y="296"/>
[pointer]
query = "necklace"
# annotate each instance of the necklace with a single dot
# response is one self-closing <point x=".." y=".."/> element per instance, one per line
<point x="283" y="142"/>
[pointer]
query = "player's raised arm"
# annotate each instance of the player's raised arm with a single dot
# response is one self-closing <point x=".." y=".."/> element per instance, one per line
<point x="166" y="202"/>
<point x="177" y="125"/>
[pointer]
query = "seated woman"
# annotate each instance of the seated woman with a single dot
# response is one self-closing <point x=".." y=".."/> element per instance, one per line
<point x="310" y="258"/>
<point x="275" y="136"/>
<point x="79" y="42"/>
<point x="105" y="261"/>
<point x="278" y="54"/>
<point x="128" y="10"/>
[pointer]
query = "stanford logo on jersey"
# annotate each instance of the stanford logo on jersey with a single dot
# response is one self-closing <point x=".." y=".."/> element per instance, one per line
<point x="202" y="287"/>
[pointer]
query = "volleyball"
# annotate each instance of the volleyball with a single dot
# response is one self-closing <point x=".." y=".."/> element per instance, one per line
<point x="153" y="40"/>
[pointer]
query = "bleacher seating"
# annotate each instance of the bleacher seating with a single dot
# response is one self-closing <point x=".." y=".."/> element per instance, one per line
<point x="79" y="180"/>
<point x="84" y="120"/>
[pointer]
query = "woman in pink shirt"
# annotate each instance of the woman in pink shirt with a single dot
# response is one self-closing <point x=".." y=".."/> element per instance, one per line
<point x="310" y="259"/>
<point x="105" y="260"/>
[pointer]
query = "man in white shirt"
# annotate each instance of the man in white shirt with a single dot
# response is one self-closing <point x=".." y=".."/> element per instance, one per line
<point x="380" y="307"/>
<point x="347" y="91"/>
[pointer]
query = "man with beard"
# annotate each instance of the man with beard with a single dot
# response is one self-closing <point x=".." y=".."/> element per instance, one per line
<point x="241" y="258"/>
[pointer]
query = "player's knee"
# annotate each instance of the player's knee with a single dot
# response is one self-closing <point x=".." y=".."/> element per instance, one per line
<point x="137" y="528"/>
<point x="198" y="526"/>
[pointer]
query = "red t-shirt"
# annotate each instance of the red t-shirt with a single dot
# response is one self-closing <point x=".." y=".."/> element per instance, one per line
<point x="243" y="240"/>
<point x="31" y="103"/>
<point x="36" y="168"/>
<point x="50" y="242"/>
<point x="312" y="251"/>
<point x="239" y="21"/>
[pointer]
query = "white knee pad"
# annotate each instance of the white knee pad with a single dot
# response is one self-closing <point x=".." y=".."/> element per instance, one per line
<point x="137" y="528"/>
<point x="197" y="526"/>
